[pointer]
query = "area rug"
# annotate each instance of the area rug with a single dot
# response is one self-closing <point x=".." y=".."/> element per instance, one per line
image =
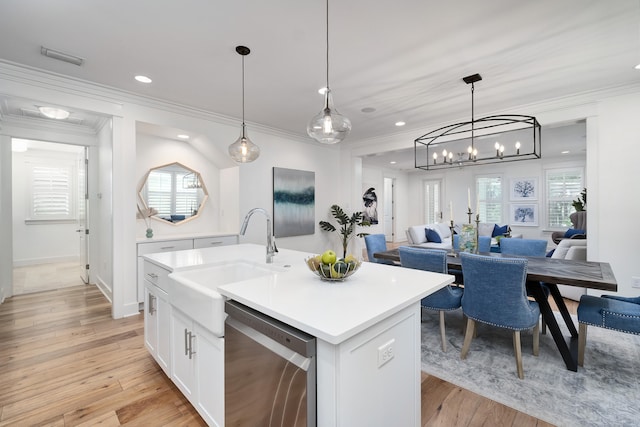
<point x="605" y="392"/>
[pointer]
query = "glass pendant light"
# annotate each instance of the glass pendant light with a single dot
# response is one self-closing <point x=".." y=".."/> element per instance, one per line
<point x="328" y="126"/>
<point x="243" y="150"/>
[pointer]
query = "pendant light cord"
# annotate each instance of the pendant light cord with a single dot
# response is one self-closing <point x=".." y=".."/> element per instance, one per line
<point x="472" y="118"/>
<point x="327" y="34"/>
<point x="243" y="95"/>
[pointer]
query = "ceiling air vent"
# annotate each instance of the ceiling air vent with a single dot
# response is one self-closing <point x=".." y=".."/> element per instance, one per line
<point x="61" y="56"/>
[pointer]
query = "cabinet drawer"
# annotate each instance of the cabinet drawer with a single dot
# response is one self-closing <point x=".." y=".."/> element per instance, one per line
<point x="156" y="275"/>
<point x="166" y="246"/>
<point x="210" y="242"/>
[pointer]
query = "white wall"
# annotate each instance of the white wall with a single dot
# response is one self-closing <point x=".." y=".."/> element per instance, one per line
<point x="101" y="213"/>
<point x="6" y="232"/>
<point x="457" y="180"/>
<point x="151" y="152"/>
<point x="614" y="197"/>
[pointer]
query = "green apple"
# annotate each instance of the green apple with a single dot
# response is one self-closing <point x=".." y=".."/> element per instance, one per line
<point x="329" y="257"/>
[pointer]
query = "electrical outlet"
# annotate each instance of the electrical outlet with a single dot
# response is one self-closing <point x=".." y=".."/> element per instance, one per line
<point x="635" y="282"/>
<point x="385" y="352"/>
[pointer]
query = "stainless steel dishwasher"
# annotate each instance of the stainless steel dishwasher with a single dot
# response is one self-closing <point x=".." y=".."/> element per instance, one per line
<point x="270" y="371"/>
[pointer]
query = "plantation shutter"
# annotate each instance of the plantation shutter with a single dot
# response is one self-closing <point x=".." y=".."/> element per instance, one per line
<point x="489" y="193"/>
<point x="51" y="193"/>
<point x="563" y="186"/>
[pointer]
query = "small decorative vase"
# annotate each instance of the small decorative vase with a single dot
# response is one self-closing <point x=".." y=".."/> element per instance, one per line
<point x="468" y="242"/>
<point x="149" y="233"/>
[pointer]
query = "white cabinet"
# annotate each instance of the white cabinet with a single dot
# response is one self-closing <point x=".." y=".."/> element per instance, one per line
<point x="157" y="316"/>
<point x="177" y="244"/>
<point x="198" y="367"/>
<point x="210" y="242"/>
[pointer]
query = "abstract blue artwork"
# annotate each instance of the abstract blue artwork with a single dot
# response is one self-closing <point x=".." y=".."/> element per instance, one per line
<point x="293" y="202"/>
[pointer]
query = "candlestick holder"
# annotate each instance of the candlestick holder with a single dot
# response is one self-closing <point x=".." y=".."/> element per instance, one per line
<point x="453" y="250"/>
<point x="469" y="213"/>
<point x="477" y="221"/>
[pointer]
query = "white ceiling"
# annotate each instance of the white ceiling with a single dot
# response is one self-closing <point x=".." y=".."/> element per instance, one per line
<point x="405" y="58"/>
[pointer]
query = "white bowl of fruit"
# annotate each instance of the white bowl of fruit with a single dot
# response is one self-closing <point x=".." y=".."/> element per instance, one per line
<point x="329" y="267"/>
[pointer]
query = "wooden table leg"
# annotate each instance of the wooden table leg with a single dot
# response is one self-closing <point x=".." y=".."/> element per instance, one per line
<point x="569" y="356"/>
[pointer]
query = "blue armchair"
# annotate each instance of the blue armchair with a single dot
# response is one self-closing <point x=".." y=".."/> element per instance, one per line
<point x="376" y="243"/>
<point x="608" y="311"/>
<point x="446" y="299"/>
<point x="495" y="294"/>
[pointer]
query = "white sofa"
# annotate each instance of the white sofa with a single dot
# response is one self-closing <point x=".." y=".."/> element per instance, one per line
<point x="575" y="249"/>
<point x="416" y="235"/>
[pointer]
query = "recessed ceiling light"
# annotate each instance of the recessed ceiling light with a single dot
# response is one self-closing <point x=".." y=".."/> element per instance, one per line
<point x="54" y="113"/>
<point x="183" y="136"/>
<point x="565" y="152"/>
<point x="368" y="110"/>
<point x="143" y="79"/>
<point x="401" y="123"/>
<point x="392" y="162"/>
<point x="637" y="67"/>
<point x="322" y="90"/>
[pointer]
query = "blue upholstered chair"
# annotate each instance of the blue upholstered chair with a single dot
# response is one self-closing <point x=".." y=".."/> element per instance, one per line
<point x="526" y="247"/>
<point x="376" y="243"/>
<point x="523" y="247"/>
<point x="608" y="311"/>
<point x="447" y="298"/>
<point x="494" y="293"/>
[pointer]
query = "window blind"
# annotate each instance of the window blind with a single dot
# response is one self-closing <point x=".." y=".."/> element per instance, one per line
<point x="489" y="193"/>
<point x="563" y="186"/>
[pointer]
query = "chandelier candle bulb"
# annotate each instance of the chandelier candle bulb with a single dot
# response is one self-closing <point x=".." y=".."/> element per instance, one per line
<point x="518" y="147"/>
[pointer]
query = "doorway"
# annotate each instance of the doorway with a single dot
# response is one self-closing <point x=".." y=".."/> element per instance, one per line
<point x="50" y="241"/>
<point x="389" y="210"/>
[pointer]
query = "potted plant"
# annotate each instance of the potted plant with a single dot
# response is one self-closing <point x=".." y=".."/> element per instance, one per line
<point x="347" y="225"/>
<point x="580" y="204"/>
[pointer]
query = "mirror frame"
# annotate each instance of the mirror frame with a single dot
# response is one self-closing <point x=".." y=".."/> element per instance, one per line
<point x="205" y="197"/>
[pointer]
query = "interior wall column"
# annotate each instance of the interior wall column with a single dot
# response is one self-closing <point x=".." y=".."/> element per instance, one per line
<point x="6" y="225"/>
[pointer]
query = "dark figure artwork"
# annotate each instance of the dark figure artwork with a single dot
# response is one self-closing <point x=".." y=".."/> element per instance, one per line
<point x="370" y="201"/>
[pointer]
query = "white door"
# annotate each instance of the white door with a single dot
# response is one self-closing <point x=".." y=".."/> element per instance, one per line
<point x="83" y="196"/>
<point x="432" y="195"/>
<point x="388" y="209"/>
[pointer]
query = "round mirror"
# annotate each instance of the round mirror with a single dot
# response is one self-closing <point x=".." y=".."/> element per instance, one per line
<point x="173" y="193"/>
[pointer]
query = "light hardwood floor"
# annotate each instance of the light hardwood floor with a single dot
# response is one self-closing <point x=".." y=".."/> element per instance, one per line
<point x="65" y="362"/>
<point x="45" y="277"/>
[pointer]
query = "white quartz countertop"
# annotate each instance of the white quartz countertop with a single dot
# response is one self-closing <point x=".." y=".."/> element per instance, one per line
<point x="331" y="311"/>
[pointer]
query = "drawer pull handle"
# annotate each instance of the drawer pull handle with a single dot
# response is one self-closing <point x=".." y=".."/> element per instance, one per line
<point x="164" y="248"/>
<point x="152" y="275"/>
<point x="215" y="243"/>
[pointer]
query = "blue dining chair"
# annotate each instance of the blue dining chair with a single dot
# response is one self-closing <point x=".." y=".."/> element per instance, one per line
<point x="445" y="299"/>
<point x="495" y="294"/>
<point x="609" y="312"/>
<point x="523" y="247"/>
<point x="527" y="247"/>
<point x="376" y="243"/>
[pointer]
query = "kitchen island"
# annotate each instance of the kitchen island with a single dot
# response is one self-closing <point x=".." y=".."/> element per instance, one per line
<point x="367" y="327"/>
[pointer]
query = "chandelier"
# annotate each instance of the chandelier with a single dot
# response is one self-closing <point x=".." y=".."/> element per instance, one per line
<point x="491" y="139"/>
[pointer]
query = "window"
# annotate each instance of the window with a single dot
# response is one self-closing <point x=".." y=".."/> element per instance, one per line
<point x="563" y="186"/>
<point x="53" y="195"/>
<point x="167" y="194"/>
<point x="489" y="193"/>
<point x="432" y="208"/>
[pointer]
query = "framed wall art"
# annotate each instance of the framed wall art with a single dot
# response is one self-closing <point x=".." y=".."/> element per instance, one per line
<point x="293" y="202"/>
<point x="524" y="189"/>
<point x="524" y="214"/>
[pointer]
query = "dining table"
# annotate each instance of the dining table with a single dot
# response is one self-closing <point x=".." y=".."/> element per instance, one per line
<point x="551" y="272"/>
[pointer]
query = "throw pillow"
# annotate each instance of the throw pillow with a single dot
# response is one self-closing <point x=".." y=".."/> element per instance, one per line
<point x="573" y="231"/>
<point x="499" y="231"/>
<point x="550" y="253"/>
<point x="432" y="235"/>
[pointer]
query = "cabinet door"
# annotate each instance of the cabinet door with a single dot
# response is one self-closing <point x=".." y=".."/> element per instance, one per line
<point x="210" y="374"/>
<point x="150" y="320"/>
<point x="163" y="316"/>
<point x="183" y="340"/>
